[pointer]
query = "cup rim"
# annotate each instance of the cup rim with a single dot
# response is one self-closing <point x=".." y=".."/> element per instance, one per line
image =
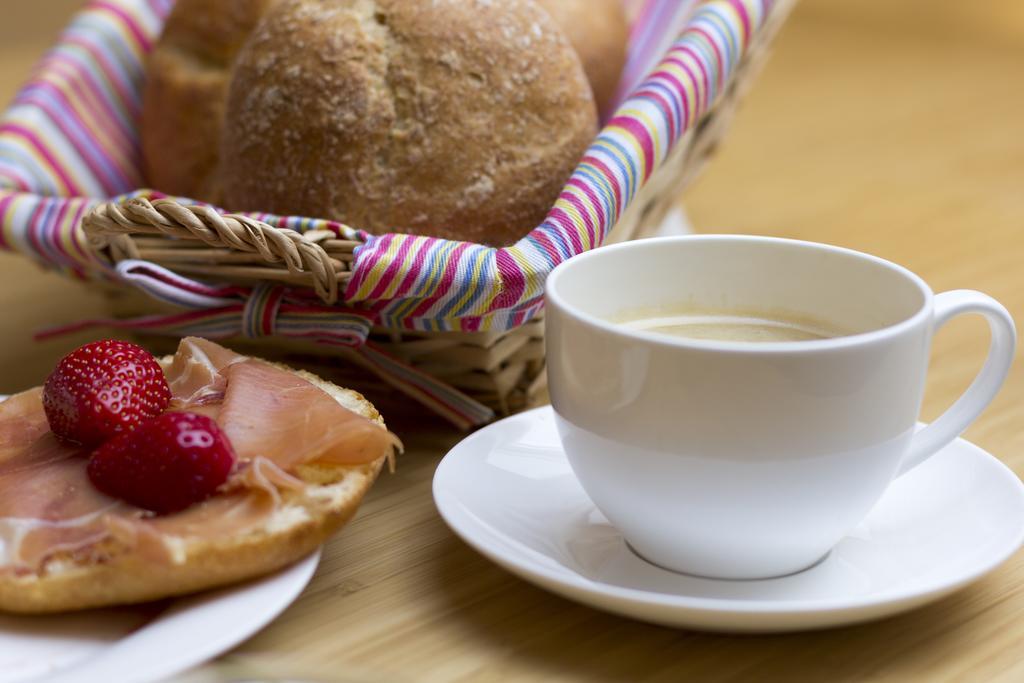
<point x="555" y="299"/>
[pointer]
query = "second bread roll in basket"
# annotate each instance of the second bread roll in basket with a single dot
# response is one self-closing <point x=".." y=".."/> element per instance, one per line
<point x="451" y="118"/>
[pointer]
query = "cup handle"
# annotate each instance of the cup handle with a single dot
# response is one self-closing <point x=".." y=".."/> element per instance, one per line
<point x="985" y="386"/>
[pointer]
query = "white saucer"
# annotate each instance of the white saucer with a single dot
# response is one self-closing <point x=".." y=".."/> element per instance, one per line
<point x="139" y="645"/>
<point x="508" y="491"/>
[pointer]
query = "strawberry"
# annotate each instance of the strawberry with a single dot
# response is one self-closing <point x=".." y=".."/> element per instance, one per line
<point x="103" y="389"/>
<point x="165" y="464"/>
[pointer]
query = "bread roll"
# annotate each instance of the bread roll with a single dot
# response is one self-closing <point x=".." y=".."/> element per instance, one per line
<point x="454" y="118"/>
<point x="302" y="522"/>
<point x="186" y="86"/>
<point x="599" y="31"/>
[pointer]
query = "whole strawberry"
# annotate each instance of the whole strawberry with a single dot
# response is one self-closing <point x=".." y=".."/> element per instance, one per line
<point x="165" y="464"/>
<point x="103" y="389"/>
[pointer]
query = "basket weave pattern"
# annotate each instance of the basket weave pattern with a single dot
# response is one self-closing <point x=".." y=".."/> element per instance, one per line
<point x="225" y="246"/>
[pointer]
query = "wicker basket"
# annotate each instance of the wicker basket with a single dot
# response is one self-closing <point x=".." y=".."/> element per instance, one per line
<point x="501" y="369"/>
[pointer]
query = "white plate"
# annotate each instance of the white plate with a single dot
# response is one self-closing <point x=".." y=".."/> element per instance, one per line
<point x="137" y="645"/>
<point x="148" y="643"/>
<point x="508" y="491"/>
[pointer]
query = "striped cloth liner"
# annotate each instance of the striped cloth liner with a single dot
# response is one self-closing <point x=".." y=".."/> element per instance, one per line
<point x="656" y="23"/>
<point x="69" y="139"/>
<point x="223" y="312"/>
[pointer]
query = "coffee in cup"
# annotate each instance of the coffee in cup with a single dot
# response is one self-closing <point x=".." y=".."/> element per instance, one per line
<point x="722" y="455"/>
<point x="728" y="325"/>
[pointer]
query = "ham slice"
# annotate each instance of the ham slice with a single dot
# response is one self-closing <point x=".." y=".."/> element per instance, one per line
<point x="20" y="422"/>
<point x="261" y="474"/>
<point x="194" y="373"/>
<point x="47" y="503"/>
<point x="269" y="412"/>
<point x="275" y="420"/>
<point x="277" y="415"/>
<point x="221" y="516"/>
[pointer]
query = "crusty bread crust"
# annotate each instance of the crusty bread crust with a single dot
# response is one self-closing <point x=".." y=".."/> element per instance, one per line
<point x="183" y="98"/>
<point x="458" y="118"/>
<point x="599" y="31"/>
<point x="118" y="575"/>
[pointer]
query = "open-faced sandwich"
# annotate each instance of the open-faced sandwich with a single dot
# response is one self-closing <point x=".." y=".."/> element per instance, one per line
<point x="126" y="479"/>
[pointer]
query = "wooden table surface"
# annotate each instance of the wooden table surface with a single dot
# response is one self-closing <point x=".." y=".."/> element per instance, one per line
<point x="896" y="128"/>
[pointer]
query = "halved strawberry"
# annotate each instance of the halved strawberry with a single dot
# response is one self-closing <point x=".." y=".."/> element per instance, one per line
<point x="166" y="464"/>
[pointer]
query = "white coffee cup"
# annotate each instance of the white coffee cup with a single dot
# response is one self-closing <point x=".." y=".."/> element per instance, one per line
<point x="749" y="460"/>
